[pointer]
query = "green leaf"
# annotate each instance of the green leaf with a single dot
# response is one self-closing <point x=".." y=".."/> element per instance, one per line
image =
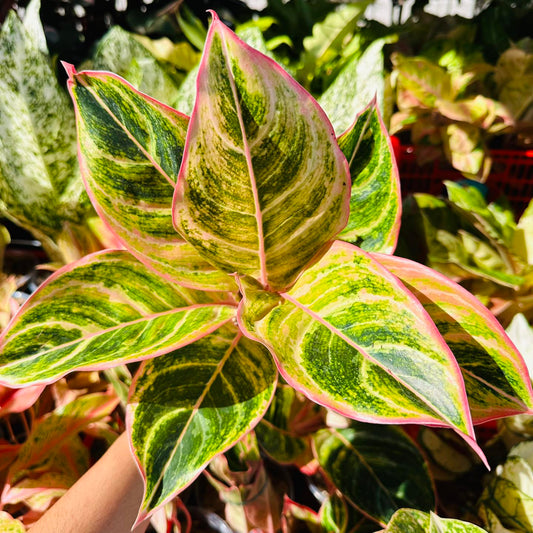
<point x="447" y="229"/>
<point x="360" y="81"/>
<point x="263" y="185"/>
<point x="375" y="204"/>
<point x="330" y="35"/>
<point x="284" y="430"/>
<point x="194" y="403"/>
<point x="187" y="92"/>
<point x="191" y="26"/>
<point x="40" y="185"/>
<point x="376" y="467"/>
<point x="103" y="310"/>
<point x="352" y="338"/>
<point x="496" y="377"/>
<point x="121" y="53"/>
<point x="495" y="223"/>
<point x="130" y="151"/>
<point x="415" y="521"/>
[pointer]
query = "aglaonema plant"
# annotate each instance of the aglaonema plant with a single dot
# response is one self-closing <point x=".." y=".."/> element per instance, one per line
<point x="257" y="244"/>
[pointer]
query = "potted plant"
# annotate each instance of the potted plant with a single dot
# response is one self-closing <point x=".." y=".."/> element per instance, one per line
<point x="258" y="248"/>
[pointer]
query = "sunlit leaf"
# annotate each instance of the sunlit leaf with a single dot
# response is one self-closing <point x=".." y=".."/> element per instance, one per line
<point x="40" y="185"/>
<point x="496" y="377"/>
<point x="121" y="53"/>
<point x="358" y="83"/>
<point x="194" y="403"/>
<point x="509" y="494"/>
<point x="375" y="204"/>
<point x="415" y="521"/>
<point x="102" y="311"/>
<point x="130" y="152"/>
<point x="330" y="34"/>
<point x="263" y="185"/>
<point x="352" y="338"/>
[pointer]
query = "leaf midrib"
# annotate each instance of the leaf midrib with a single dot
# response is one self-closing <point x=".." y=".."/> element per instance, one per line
<point x="105" y="331"/>
<point x="194" y="410"/>
<point x="367" y="356"/>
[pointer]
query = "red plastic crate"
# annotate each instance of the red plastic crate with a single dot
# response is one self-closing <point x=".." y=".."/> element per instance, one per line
<point x="511" y="174"/>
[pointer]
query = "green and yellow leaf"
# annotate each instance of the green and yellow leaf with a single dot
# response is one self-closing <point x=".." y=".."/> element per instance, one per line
<point x="263" y="185"/>
<point x="352" y="338"/>
<point x="8" y="524"/>
<point x="416" y="521"/>
<point x="375" y="203"/>
<point x="123" y="54"/>
<point x="104" y="310"/>
<point x="40" y="185"/>
<point x="376" y="467"/>
<point x="130" y="152"/>
<point x="495" y="374"/>
<point x="194" y="403"/>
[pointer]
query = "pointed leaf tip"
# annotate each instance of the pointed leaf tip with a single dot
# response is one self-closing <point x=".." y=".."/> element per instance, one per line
<point x="244" y="209"/>
<point x="69" y="69"/>
<point x="214" y="16"/>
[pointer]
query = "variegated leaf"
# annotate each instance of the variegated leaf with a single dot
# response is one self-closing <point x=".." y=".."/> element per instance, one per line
<point x="285" y="429"/>
<point x="194" y="403"/>
<point x="263" y="185"/>
<point x="104" y="310"/>
<point x="496" y="377"/>
<point x="352" y="338"/>
<point x="375" y="204"/>
<point x="376" y="467"/>
<point x="120" y="52"/>
<point x="40" y="185"/>
<point x="416" y="521"/>
<point x="130" y="152"/>
<point x="338" y="516"/>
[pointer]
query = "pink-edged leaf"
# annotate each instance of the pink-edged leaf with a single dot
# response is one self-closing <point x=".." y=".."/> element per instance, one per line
<point x="103" y="310"/>
<point x="496" y="377"/>
<point x="18" y="400"/>
<point x="351" y="337"/>
<point x="263" y="185"/>
<point x="375" y="204"/>
<point x="192" y="404"/>
<point x="376" y="467"/>
<point x="40" y="450"/>
<point x="130" y="148"/>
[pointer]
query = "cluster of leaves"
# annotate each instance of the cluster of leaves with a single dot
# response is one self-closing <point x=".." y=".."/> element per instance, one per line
<point x="442" y="115"/>
<point x="231" y="287"/>
<point x="476" y="243"/>
<point x="48" y="438"/>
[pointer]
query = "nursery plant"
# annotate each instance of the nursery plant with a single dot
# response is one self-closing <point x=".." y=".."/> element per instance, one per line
<point x="475" y="242"/>
<point x="443" y="116"/>
<point x="258" y="248"/>
<point x="40" y="185"/>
